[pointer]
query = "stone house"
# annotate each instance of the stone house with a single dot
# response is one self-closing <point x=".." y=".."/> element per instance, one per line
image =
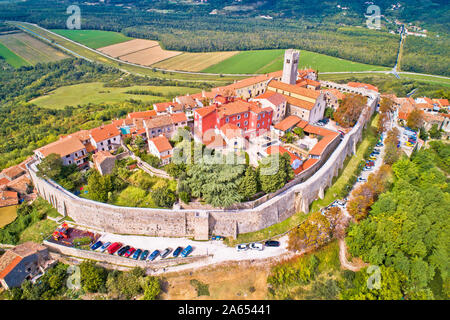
<point x="24" y="262"/>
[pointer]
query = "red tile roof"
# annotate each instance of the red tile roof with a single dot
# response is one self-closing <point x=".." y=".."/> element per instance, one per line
<point x="63" y="147"/>
<point x="105" y="132"/>
<point x="101" y="156"/>
<point x="273" y="97"/>
<point x="362" y="85"/>
<point x="320" y="146"/>
<point x="313" y="94"/>
<point x="161" y="143"/>
<point x="287" y="123"/>
<point x="203" y="112"/>
<point x="178" y="117"/>
<point x="142" y="114"/>
<point x="8" y="262"/>
<point x="4" y="181"/>
<point x="280" y="149"/>
<point x="309" y="163"/>
<point x="12" y="172"/>
<point x="8" y="198"/>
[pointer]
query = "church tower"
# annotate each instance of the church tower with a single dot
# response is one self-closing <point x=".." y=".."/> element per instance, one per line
<point x="290" y="68"/>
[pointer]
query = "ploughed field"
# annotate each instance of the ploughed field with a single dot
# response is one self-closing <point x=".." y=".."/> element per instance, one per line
<point x="20" y="49"/>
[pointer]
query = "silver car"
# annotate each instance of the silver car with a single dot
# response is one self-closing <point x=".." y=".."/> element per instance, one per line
<point x="242" y="247"/>
<point x="257" y="246"/>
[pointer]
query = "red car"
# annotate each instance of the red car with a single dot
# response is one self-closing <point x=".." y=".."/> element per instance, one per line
<point x="114" y="247"/>
<point x="129" y="252"/>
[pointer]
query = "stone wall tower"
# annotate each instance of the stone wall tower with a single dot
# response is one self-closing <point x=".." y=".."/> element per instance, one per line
<point x="290" y="68"/>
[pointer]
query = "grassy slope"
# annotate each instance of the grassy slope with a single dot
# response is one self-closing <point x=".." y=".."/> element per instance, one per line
<point x="85" y="93"/>
<point x="93" y="38"/>
<point x="264" y="61"/>
<point x="12" y="58"/>
<point x="7" y="215"/>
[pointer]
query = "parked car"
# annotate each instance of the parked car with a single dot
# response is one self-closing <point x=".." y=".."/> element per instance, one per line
<point x="165" y="253"/>
<point x="114" y="247"/>
<point x="137" y="254"/>
<point x="341" y="203"/>
<point x="177" y="251"/>
<point x="372" y="158"/>
<point x="123" y="250"/>
<point x="96" y="245"/>
<point x="272" y="243"/>
<point x="144" y="254"/>
<point x="256" y="246"/>
<point x="376" y="150"/>
<point x="370" y="164"/>
<point x="242" y="247"/>
<point x="105" y="246"/>
<point x="217" y="238"/>
<point x="129" y="252"/>
<point x="360" y="179"/>
<point x="379" y="144"/>
<point x="153" y="255"/>
<point x="367" y="169"/>
<point x="187" y="251"/>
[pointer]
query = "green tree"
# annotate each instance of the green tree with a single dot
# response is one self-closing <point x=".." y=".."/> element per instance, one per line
<point x="249" y="184"/>
<point x="434" y="132"/>
<point x="93" y="277"/>
<point x="152" y="288"/>
<point x="50" y="166"/>
<point x="164" y="197"/>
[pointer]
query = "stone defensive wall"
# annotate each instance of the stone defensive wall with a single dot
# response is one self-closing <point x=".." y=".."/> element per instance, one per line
<point x="120" y="261"/>
<point x="296" y="196"/>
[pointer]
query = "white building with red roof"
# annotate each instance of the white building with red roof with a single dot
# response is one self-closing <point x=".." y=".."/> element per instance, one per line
<point x="161" y="148"/>
<point x="106" y="138"/>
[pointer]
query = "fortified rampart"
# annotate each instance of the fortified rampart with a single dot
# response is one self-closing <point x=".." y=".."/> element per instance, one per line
<point x="296" y="196"/>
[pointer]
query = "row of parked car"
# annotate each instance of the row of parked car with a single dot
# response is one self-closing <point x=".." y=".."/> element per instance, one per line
<point x="370" y="163"/>
<point x="257" y="246"/>
<point x="411" y="136"/>
<point x="139" y="254"/>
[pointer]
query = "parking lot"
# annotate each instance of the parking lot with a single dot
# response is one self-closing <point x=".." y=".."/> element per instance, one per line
<point x="218" y="251"/>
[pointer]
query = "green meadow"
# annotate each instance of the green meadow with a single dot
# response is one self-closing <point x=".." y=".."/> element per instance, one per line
<point x="95" y="92"/>
<point x="264" y="61"/>
<point x="93" y="38"/>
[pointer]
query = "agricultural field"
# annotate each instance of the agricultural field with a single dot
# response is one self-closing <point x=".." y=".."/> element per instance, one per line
<point x="30" y="49"/>
<point x="265" y="61"/>
<point x="93" y="38"/>
<point x="96" y="93"/>
<point x="195" y="62"/>
<point x="12" y="58"/>
<point x="7" y="215"/>
<point x="149" y="56"/>
<point x="128" y="47"/>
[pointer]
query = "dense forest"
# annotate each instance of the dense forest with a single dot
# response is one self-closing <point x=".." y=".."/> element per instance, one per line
<point x="319" y="27"/>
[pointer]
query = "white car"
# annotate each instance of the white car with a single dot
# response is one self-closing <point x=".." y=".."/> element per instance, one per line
<point x="257" y="246"/>
<point x="242" y="247"/>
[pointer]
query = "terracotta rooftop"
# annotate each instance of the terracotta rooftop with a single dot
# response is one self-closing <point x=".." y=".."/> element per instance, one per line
<point x="309" y="163"/>
<point x="362" y="85"/>
<point x="287" y="123"/>
<point x="320" y="146"/>
<point x="280" y="149"/>
<point x="8" y="262"/>
<point x="299" y="103"/>
<point x="8" y="198"/>
<point x="178" y="117"/>
<point x="161" y="143"/>
<point x="20" y="184"/>
<point x="81" y="135"/>
<point x="62" y="147"/>
<point x="105" y="132"/>
<point x="339" y="95"/>
<point x="159" y="121"/>
<point x="3" y="181"/>
<point x="253" y="80"/>
<point x="203" y="112"/>
<point x="273" y="97"/>
<point x="313" y="94"/>
<point x="101" y="156"/>
<point x="142" y="114"/>
<point x="12" y="172"/>
<point x="187" y="101"/>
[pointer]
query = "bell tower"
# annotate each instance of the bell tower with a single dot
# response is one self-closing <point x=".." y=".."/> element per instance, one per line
<point x="290" y="68"/>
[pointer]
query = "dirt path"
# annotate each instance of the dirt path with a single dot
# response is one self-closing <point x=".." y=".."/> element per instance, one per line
<point x="354" y="266"/>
